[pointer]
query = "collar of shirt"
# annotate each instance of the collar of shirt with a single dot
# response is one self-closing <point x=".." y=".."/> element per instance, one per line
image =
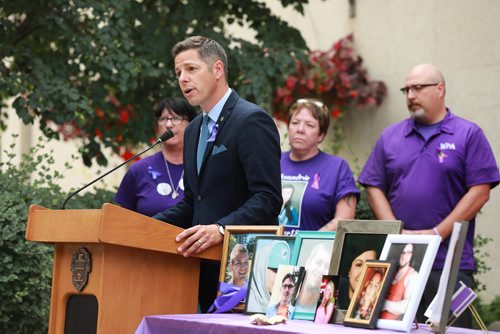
<point x="216" y="110"/>
<point x="446" y="124"/>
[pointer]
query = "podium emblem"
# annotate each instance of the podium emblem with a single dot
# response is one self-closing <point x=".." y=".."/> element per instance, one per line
<point x="81" y="265"/>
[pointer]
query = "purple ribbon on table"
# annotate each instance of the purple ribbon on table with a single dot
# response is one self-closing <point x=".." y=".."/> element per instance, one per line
<point x="231" y="295"/>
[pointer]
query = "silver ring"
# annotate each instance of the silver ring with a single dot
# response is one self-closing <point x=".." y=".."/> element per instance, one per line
<point x="199" y="242"/>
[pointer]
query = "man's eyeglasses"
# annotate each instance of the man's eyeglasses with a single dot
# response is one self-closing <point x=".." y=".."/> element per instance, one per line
<point x="176" y="120"/>
<point x="287" y="286"/>
<point x="416" y="88"/>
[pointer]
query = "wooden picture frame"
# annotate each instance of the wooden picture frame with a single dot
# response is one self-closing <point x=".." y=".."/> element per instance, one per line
<point x="356" y="240"/>
<point x="312" y="251"/>
<point x="240" y="240"/>
<point x="415" y="255"/>
<point x="372" y="287"/>
<point x="269" y="253"/>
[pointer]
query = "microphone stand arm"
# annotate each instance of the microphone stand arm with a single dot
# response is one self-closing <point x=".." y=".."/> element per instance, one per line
<point x="109" y="172"/>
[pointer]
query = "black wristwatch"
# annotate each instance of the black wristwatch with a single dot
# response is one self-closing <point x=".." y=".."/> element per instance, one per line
<point x="221" y="228"/>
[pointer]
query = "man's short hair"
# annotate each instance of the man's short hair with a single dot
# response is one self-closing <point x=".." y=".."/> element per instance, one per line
<point x="210" y="51"/>
<point x="288" y="276"/>
<point x="237" y="250"/>
<point x="321" y="247"/>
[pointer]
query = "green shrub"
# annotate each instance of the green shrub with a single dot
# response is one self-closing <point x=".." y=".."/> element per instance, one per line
<point x="489" y="313"/>
<point x="26" y="267"/>
<point x="480" y="258"/>
<point x="363" y="210"/>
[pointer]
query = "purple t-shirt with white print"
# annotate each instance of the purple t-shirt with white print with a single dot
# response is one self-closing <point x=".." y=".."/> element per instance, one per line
<point x="315" y="187"/>
<point x="146" y="187"/>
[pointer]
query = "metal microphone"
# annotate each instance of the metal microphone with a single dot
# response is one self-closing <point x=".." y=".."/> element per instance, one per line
<point x="163" y="138"/>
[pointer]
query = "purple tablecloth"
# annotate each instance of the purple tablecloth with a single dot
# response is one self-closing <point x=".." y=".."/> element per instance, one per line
<point x="238" y="323"/>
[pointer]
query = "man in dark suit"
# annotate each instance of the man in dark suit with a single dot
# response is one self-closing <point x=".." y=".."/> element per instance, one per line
<point x="236" y="181"/>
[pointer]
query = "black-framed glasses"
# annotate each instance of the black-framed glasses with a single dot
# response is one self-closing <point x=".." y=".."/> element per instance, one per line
<point x="416" y="88"/>
<point x="287" y="286"/>
<point x="176" y="120"/>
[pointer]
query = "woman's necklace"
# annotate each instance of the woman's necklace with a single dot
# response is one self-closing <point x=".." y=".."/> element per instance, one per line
<point x="175" y="192"/>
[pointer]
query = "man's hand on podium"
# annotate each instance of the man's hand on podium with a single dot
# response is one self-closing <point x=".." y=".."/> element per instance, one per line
<point x="198" y="239"/>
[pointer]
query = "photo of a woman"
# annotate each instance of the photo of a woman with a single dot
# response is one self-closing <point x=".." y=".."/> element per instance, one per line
<point x="368" y="296"/>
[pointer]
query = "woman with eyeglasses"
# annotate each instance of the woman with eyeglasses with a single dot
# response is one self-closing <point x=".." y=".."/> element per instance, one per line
<point x="155" y="183"/>
<point x="324" y="187"/>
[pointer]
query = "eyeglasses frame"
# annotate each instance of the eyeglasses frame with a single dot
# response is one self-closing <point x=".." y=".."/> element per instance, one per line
<point x="175" y="120"/>
<point x="416" y="88"/>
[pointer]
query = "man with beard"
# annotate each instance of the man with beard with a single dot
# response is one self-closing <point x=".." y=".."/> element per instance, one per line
<point x="430" y="171"/>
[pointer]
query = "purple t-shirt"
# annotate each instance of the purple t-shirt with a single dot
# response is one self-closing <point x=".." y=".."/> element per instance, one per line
<point x="315" y="187"/>
<point x="424" y="180"/>
<point x="146" y="187"/>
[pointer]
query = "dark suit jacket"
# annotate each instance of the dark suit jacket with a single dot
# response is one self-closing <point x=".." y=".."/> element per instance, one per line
<point x="239" y="181"/>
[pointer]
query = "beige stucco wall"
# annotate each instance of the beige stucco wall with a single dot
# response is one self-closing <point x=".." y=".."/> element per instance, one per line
<point x="459" y="36"/>
<point x="78" y="175"/>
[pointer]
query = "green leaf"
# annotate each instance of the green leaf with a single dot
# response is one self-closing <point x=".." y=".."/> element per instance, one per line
<point x="25" y="278"/>
<point x="64" y="71"/>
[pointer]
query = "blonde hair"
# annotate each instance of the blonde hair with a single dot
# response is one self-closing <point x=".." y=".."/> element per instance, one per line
<point x="237" y="250"/>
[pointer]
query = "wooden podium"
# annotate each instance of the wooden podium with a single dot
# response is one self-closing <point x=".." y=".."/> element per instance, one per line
<point x="135" y="269"/>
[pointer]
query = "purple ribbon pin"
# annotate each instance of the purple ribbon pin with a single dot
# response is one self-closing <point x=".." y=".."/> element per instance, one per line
<point x="154" y="174"/>
<point x="214" y="134"/>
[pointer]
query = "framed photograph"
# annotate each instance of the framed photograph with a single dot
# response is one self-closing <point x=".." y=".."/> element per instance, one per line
<point x="360" y="227"/>
<point x="268" y="254"/>
<point x="414" y="255"/>
<point x="356" y="242"/>
<point x="369" y="295"/>
<point x="455" y="249"/>
<point x="326" y="301"/>
<point x="438" y="312"/>
<point x="288" y="279"/>
<point x="313" y="251"/>
<point x="237" y="254"/>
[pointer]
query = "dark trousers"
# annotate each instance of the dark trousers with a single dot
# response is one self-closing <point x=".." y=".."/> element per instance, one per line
<point x="209" y="282"/>
<point x="465" y="319"/>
